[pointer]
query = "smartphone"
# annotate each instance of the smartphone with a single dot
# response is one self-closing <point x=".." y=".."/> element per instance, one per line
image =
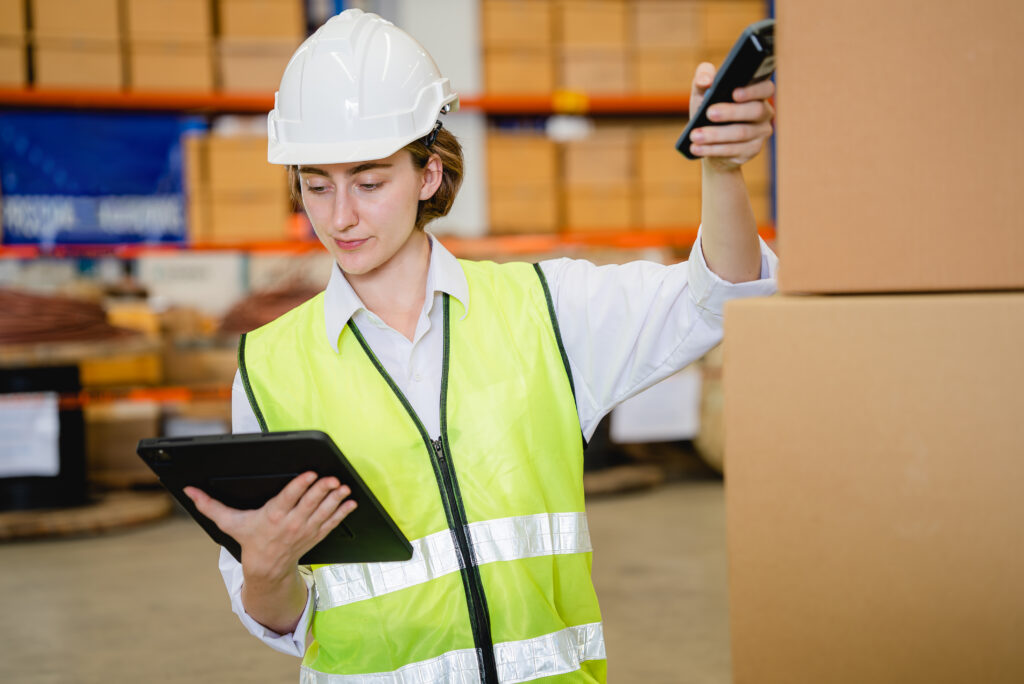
<point x="751" y="59"/>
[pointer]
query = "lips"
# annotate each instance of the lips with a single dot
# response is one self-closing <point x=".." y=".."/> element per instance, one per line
<point x="351" y="244"/>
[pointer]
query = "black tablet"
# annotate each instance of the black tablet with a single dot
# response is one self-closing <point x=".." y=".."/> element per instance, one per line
<point x="244" y="471"/>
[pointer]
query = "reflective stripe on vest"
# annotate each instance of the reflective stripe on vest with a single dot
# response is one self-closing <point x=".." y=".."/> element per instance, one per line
<point x="518" y="661"/>
<point x="434" y="556"/>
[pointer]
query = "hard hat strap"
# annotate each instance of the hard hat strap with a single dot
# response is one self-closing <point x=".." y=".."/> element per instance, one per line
<point x="430" y="137"/>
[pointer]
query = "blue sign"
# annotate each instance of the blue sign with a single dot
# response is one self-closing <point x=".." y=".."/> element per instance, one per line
<point x="82" y="178"/>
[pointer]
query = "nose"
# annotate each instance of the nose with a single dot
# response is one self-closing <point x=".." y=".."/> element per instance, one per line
<point x="345" y="215"/>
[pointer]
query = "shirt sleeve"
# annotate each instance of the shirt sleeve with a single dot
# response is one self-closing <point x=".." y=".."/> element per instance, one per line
<point x="243" y="420"/>
<point x="293" y="643"/>
<point x="626" y="327"/>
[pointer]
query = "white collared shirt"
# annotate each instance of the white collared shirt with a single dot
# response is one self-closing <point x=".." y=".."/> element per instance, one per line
<point x="624" y="328"/>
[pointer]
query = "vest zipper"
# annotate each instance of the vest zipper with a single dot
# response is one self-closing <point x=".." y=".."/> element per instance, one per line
<point x="444" y="472"/>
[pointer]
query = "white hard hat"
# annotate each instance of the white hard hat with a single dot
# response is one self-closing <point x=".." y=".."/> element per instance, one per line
<point x="358" y="89"/>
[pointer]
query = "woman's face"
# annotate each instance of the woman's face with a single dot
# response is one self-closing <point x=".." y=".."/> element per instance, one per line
<point x="365" y="212"/>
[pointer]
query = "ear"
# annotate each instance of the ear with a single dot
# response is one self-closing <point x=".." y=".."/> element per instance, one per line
<point x="433" y="173"/>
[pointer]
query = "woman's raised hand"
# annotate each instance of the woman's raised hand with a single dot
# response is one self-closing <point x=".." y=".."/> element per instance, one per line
<point x="748" y="121"/>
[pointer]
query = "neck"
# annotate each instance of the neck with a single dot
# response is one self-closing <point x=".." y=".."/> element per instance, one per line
<point x="396" y="290"/>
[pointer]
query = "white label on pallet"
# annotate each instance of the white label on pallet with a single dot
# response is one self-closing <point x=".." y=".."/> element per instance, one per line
<point x="29" y="435"/>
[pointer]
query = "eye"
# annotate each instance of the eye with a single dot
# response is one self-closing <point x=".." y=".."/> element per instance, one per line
<point x="369" y="187"/>
<point x="316" y="187"/>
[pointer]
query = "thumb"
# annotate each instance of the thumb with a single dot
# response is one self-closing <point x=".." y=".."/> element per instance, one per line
<point x="702" y="80"/>
<point x="221" y="515"/>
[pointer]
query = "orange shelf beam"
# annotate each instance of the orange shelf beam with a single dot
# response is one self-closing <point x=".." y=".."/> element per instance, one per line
<point x="162" y="395"/>
<point x="116" y="99"/>
<point x="563" y="102"/>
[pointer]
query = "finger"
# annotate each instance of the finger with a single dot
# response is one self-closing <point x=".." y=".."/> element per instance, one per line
<point x="340" y="514"/>
<point x="317" y="495"/>
<point x="286" y="499"/>
<point x="742" y="152"/>
<point x="329" y="505"/>
<point x="762" y="90"/>
<point x="222" y="516"/>
<point x="732" y="133"/>
<point x="747" y="111"/>
<point x="703" y="77"/>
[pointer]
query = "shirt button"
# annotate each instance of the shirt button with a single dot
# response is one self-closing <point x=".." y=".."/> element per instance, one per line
<point x="417" y="377"/>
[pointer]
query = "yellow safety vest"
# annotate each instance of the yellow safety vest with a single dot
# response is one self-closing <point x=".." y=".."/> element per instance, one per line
<point x="499" y="587"/>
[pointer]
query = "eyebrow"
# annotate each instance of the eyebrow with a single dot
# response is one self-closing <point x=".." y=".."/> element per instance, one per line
<point x="351" y="172"/>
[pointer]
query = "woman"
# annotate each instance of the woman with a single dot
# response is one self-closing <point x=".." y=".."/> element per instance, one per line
<point x="458" y="389"/>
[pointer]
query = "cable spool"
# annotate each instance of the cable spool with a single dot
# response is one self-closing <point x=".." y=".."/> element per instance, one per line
<point x="31" y="318"/>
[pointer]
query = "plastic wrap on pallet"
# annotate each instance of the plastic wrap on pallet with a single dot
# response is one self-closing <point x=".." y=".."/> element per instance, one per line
<point x="85" y="178"/>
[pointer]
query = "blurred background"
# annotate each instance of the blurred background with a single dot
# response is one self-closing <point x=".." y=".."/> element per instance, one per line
<point x="871" y="527"/>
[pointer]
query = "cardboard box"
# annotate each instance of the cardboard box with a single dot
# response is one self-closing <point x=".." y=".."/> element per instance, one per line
<point x="171" y="65"/>
<point x="669" y="24"/>
<point x="722" y="21"/>
<point x="139" y="368"/>
<point x="13" y="63"/>
<point x="78" y="64"/>
<point x="523" y="208"/>
<point x="600" y="207"/>
<point x="240" y="218"/>
<point x="112" y="433"/>
<point x="669" y="206"/>
<point x="593" y="23"/>
<point x="253" y="66"/>
<point x="262" y="19"/>
<point x="664" y="71"/>
<point x="606" y="156"/>
<point x="658" y="162"/>
<point x="164" y="20"/>
<point x="76" y="19"/>
<point x="519" y="71"/>
<point x="199" y="364"/>
<point x="12" y="20"/>
<point x="238" y="164"/>
<point x="210" y="282"/>
<point x="518" y="24"/>
<point x="595" y="70"/>
<point x="944" y="214"/>
<point x="873" y="478"/>
<point x="521" y="158"/>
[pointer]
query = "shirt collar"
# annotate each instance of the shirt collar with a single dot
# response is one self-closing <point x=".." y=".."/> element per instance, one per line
<point x="444" y="274"/>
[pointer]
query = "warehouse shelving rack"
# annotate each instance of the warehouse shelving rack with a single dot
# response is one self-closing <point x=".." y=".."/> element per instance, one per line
<point x="561" y="102"/>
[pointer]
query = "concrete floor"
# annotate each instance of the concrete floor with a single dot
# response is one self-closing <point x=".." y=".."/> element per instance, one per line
<point x="148" y="605"/>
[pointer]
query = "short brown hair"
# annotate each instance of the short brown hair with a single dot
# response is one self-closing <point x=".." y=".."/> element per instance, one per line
<point x="447" y="147"/>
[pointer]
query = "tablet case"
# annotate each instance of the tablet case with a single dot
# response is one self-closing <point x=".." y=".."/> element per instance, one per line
<point x="244" y="471"/>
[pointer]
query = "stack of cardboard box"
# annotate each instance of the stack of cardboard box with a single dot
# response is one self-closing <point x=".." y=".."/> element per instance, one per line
<point x="234" y="195"/>
<point x="599" y="180"/>
<point x="169" y="44"/>
<point x="622" y="176"/>
<point x="669" y="185"/>
<point x="522" y="182"/>
<point x="666" y="40"/>
<point x="13" y="35"/>
<point x="874" y="449"/>
<point x="593" y="36"/>
<point x="257" y="38"/>
<point x="518" y="39"/>
<point x="77" y="44"/>
<point x="648" y="47"/>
